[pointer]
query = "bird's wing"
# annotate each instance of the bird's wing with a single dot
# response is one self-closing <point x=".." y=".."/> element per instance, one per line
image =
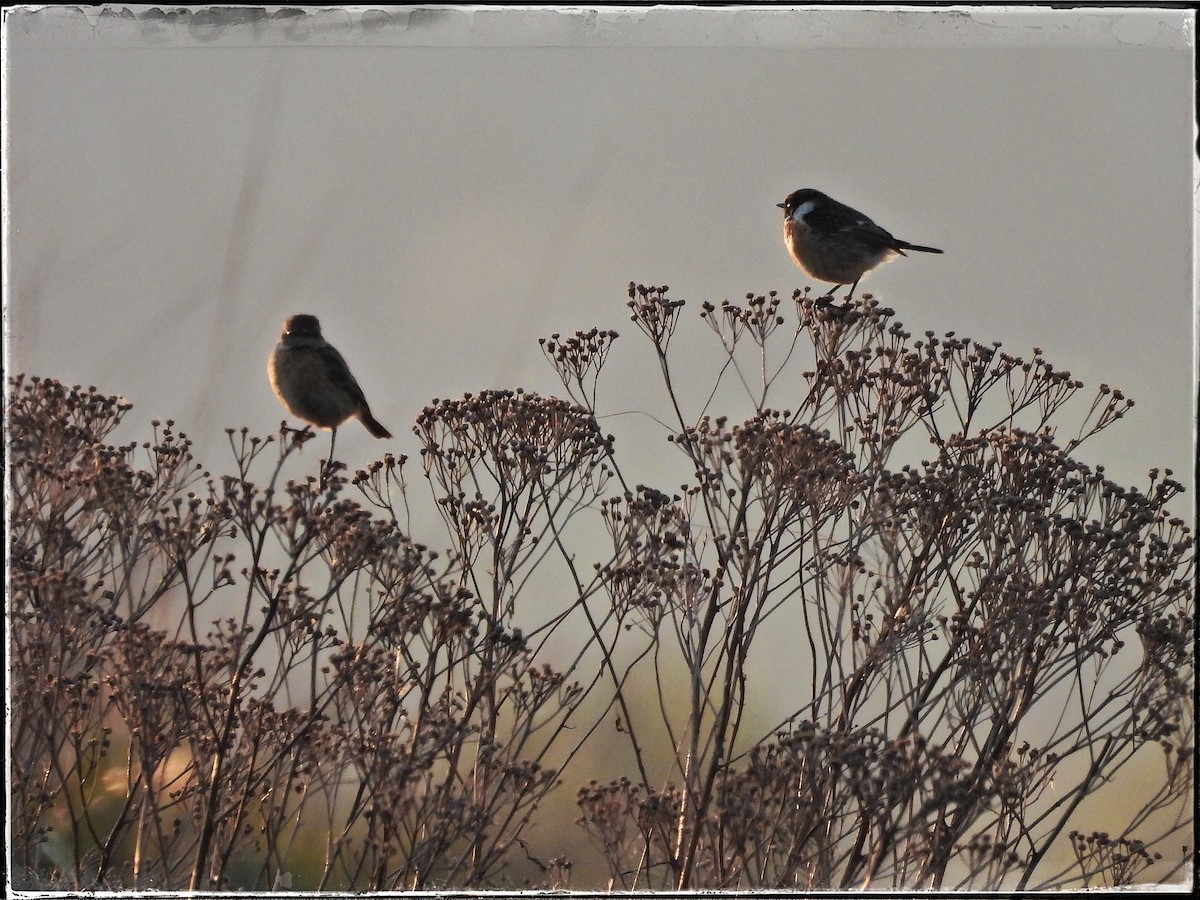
<point x="339" y="372"/>
<point x="871" y="234"/>
<point x="839" y="218"/>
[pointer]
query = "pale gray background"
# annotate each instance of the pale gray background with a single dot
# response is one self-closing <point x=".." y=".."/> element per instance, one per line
<point x="442" y="188"/>
<point x="441" y="194"/>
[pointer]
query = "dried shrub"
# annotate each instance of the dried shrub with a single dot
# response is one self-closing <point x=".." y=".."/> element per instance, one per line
<point x="249" y="682"/>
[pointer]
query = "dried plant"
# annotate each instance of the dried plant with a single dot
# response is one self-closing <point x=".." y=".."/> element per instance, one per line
<point x="207" y="672"/>
<point x="246" y="682"/>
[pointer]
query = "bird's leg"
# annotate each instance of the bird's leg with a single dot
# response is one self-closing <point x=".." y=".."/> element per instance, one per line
<point x="328" y="467"/>
<point x="850" y="296"/>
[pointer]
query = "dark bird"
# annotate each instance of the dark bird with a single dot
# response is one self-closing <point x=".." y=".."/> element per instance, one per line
<point x="832" y="242"/>
<point x="312" y="380"/>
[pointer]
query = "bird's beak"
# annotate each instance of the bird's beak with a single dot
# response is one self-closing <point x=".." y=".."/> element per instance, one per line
<point x="781" y="205"/>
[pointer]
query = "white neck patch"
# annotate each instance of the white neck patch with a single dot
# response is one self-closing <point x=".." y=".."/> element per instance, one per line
<point x="803" y="209"/>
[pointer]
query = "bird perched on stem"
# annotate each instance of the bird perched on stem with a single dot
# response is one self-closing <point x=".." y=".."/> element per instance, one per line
<point x="312" y="380"/>
<point x="832" y="242"/>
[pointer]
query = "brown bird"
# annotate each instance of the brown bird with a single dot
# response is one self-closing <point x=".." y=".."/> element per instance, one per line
<point x="832" y="242"/>
<point x="312" y="380"/>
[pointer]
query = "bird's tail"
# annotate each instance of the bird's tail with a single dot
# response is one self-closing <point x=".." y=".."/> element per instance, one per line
<point x="372" y="424"/>
<point x="907" y="246"/>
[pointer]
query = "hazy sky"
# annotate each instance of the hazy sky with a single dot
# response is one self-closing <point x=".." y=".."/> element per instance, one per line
<point x="442" y="188"/>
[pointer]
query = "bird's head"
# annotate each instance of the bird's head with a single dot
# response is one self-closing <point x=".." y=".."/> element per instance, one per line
<point x="800" y="203"/>
<point x="302" y="325"/>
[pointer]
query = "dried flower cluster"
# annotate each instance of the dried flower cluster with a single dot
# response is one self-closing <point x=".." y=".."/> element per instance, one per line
<point x="946" y="608"/>
<point x="205" y="672"/>
<point x="214" y="675"/>
<point x="655" y="315"/>
<point x="578" y="360"/>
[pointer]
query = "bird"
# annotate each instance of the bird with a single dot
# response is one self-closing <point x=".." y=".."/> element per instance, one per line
<point x="831" y="242"/>
<point x="313" y="382"/>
